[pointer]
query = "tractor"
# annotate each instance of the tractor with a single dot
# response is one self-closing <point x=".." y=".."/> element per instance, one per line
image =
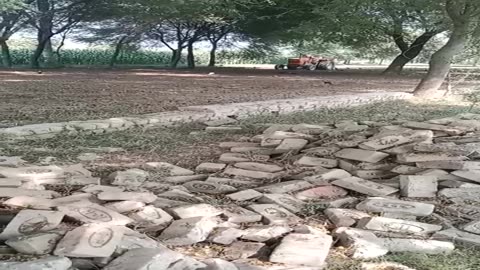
<point x="309" y="62"/>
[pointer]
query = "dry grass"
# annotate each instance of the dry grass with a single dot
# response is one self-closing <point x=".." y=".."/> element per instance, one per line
<point x="187" y="145"/>
<point x="460" y="259"/>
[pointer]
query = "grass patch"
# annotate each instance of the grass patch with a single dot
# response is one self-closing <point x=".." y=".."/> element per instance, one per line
<point x="460" y="259"/>
<point x="187" y="145"/>
<point x="382" y="111"/>
<point x="337" y="261"/>
<point x="162" y="144"/>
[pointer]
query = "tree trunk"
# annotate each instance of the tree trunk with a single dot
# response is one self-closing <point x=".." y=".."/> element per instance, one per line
<point x="441" y="61"/>
<point x="411" y="53"/>
<point x="176" y="57"/>
<point x="59" y="48"/>
<point x="50" y="58"/>
<point x="6" y="57"/>
<point x="35" y="61"/>
<point x="396" y="67"/>
<point x="44" y="32"/>
<point x="213" y="55"/>
<point x="116" y="53"/>
<point x="190" y="55"/>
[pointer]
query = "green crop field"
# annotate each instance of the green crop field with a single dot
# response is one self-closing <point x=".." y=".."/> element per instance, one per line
<point x="97" y="57"/>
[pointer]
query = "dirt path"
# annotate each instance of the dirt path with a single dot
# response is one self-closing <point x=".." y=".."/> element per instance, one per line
<point x="80" y="94"/>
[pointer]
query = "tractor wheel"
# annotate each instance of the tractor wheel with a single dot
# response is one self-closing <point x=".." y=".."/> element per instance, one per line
<point x="322" y="66"/>
<point x="279" y="67"/>
<point x="291" y="67"/>
<point x="311" y="67"/>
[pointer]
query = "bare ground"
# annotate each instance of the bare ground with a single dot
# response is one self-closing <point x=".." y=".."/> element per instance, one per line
<point x="78" y="94"/>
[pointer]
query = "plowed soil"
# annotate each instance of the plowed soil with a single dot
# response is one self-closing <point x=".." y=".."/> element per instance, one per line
<point x="28" y="96"/>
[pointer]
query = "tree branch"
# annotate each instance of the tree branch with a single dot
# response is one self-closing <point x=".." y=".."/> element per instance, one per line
<point x="161" y="37"/>
<point x="398" y="35"/>
<point x="454" y="11"/>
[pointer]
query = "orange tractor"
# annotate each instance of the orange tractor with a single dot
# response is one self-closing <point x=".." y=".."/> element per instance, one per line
<point x="309" y="62"/>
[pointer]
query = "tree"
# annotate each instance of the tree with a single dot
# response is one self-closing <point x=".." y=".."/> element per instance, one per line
<point x="176" y="36"/>
<point x="10" y="22"/>
<point x="180" y="24"/>
<point x="114" y="23"/>
<point x="119" y="33"/>
<point x="464" y="15"/>
<point x="215" y="34"/>
<point x="174" y="24"/>
<point x="218" y="19"/>
<point x="53" y="17"/>
<point x="408" y="24"/>
<point x="198" y="31"/>
<point x="410" y="51"/>
<point x="225" y="18"/>
<point x="411" y="24"/>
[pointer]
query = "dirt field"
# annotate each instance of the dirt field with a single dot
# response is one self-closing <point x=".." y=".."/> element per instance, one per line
<point x="79" y="94"/>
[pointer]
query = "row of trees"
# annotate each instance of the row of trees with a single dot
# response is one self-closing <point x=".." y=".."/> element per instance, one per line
<point x="46" y="17"/>
<point x="372" y="25"/>
<point x="176" y="24"/>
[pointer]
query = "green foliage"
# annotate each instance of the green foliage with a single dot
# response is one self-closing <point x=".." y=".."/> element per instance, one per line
<point x="8" y="5"/>
<point x="368" y="22"/>
<point x="358" y="23"/>
<point x="98" y="57"/>
<point x="278" y="20"/>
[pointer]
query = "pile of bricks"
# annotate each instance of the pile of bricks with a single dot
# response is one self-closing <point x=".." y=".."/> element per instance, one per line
<point x="379" y="188"/>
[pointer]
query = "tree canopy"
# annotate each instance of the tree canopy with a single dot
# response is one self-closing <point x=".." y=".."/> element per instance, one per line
<point x="9" y="5"/>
